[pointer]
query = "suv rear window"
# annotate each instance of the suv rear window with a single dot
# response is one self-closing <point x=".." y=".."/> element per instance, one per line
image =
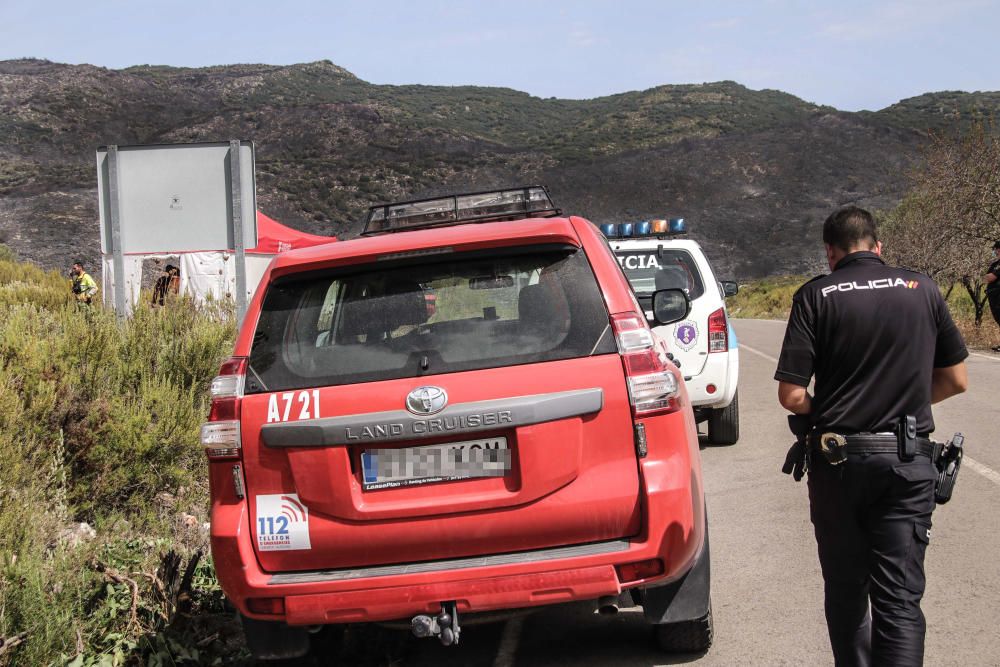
<point x="463" y="314"/>
<point x="665" y="268"/>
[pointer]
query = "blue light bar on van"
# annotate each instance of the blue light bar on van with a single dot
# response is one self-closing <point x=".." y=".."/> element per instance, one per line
<point x="644" y="228"/>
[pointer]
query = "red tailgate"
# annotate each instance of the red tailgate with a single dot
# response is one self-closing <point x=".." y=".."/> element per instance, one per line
<point x="572" y="479"/>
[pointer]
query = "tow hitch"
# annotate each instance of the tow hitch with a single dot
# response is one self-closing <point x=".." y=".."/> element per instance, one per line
<point x="444" y="626"/>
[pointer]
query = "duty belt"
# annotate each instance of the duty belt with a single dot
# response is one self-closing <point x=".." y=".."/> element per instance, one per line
<point x="873" y="443"/>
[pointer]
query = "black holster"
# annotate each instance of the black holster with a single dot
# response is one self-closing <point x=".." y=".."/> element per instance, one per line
<point x="948" y="463"/>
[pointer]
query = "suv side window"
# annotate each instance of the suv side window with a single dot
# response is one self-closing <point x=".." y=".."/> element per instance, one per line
<point x="463" y="314"/>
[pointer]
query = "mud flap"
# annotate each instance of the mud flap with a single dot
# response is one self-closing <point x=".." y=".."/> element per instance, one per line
<point x="686" y="599"/>
<point x="273" y="640"/>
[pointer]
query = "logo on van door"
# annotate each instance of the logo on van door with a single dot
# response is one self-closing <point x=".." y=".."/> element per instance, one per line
<point x="426" y="400"/>
<point x="686" y="334"/>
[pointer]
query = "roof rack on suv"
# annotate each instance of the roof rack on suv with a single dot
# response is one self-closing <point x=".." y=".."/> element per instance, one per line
<point x="531" y="201"/>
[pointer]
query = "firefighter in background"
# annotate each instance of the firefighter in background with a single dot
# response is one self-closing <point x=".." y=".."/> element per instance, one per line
<point x="84" y="287"/>
<point x="168" y="283"/>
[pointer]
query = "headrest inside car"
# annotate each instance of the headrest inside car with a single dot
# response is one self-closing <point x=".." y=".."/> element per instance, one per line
<point x="542" y="307"/>
<point x="671" y="277"/>
<point x="361" y="316"/>
<point x="404" y="303"/>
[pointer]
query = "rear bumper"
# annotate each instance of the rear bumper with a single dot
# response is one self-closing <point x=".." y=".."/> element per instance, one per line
<point x="474" y="594"/>
<point x="673" y="532"/>
<point x="721" y="370"/>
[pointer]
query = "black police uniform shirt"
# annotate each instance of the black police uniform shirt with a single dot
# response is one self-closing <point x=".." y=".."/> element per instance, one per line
<point x="995" y="270"/>
<point x="872" y="335"/>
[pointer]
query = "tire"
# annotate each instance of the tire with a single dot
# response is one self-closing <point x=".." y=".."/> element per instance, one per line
<point x="724" y="423"/>
<point x="273" y="640"/>
<point x="688" y="636"/>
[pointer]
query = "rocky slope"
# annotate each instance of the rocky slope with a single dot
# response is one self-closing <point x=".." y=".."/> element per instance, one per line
<point x="755" y="172"/>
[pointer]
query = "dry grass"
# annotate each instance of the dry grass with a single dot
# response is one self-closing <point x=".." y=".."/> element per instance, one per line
<point x="982" y="337"/>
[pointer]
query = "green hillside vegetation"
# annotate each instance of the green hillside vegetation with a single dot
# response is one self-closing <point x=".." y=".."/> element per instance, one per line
<point x="99" y="423"/>
<point x="753" y="170"/>
<point x="566" y="128"/>
<point x="767" y="298"/>
<point x="941" y="111"/>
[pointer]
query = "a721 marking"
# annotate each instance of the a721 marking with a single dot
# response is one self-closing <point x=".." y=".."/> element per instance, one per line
<point x="305" y="403"/>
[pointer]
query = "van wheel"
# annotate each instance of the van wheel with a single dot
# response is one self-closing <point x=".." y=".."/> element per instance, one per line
<point x="724" y="423"/>
<point x="687" y="636"/>
<point x="274" y="640"/>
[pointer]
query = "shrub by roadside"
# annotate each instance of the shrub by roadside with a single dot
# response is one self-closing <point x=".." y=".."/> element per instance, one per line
<point x="767" y="298"/>
<point x="99" y="424"/>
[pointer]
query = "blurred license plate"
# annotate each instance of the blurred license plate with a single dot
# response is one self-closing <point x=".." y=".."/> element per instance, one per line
<point x="389" y="468"/>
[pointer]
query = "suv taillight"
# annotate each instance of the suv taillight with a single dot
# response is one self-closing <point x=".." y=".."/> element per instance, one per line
<point x="652" y="385"/>
<point x="220" y="435"/>
<point x="718" y="331"/>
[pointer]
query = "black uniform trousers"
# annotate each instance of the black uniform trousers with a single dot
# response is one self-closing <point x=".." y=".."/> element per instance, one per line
<point x="872" y="517"/>
<point x="993" y="296"/>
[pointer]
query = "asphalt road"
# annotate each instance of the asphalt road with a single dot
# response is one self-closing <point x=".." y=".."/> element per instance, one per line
<point x="767" y="591"/>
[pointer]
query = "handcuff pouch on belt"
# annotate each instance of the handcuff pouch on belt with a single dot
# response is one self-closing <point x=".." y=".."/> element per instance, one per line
<point x="906" y="437"/>
<point x="833" y="447"/>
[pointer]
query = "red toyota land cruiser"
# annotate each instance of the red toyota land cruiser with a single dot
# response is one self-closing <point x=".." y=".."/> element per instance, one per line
<point x="525" y="440"/>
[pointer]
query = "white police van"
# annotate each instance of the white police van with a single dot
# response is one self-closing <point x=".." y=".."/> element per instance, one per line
<point x="654" y="258"/>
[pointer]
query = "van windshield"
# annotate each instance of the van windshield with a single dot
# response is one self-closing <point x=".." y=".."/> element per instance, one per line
<point x="663" y="268"/>
<point x="373" y="324"/>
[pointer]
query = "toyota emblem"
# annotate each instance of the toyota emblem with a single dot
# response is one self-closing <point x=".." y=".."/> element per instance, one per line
<point x="426" y="400"/>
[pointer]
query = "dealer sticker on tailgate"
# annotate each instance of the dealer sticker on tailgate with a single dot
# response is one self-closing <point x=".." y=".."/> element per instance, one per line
<point x="389" y="468"/>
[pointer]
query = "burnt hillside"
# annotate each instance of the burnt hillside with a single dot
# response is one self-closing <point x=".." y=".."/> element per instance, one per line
<point x="753" y="171"/>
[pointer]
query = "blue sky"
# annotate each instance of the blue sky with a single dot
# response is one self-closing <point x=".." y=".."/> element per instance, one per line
<point x="848" y="54"/>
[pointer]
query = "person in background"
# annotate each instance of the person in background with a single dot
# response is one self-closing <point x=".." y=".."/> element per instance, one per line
<point x="168" y="283"/>
<point x="84" y="287"/>
<point x="992" y="280"/>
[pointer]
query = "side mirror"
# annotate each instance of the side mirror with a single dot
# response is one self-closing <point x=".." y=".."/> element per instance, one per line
<point x="670" y="305"/>
<point x="729" y="288"/>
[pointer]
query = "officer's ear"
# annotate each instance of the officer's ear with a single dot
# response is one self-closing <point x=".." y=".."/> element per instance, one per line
<point x="878" y="248"/>
<point x="831" y="254"/>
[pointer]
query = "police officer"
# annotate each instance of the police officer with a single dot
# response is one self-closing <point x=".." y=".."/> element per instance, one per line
<point x="992" y="279"/>
<point x="881" y="345"/>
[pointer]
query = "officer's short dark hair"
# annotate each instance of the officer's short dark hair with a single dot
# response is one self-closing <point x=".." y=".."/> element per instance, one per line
<point x="79" y="263"/>
<point x="848" y="228"/>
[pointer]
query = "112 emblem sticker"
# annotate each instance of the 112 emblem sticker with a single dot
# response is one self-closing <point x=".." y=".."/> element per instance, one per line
<point x="282" y="523"/>
<point x="686" y="334"/>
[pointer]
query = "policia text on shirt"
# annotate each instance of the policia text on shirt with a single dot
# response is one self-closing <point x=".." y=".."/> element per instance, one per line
<point x="882" y="347"/>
